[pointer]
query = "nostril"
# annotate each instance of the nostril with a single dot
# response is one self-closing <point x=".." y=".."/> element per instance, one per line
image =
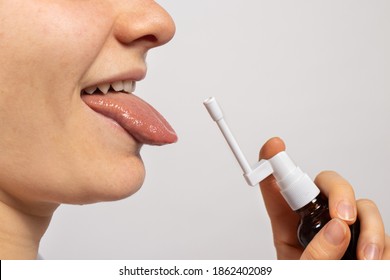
<point x="129" y="38"/>
<point x="148" y="41"/>
<point x="150" y="38"/>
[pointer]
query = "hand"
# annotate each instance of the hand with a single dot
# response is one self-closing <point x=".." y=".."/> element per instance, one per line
<point x="333" y="239"/>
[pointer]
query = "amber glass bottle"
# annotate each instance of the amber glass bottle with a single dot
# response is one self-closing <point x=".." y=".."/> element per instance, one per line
<point x="314" y="216"/>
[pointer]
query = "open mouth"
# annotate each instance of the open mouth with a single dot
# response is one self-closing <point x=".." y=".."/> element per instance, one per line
<point x="116" y="101"/>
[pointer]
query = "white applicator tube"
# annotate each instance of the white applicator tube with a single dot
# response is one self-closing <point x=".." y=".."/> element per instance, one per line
<point x="295" y="186"/>
<point x="217" y="115"/>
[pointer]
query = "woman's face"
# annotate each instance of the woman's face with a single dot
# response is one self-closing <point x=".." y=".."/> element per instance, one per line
<point x="58" y="142"/>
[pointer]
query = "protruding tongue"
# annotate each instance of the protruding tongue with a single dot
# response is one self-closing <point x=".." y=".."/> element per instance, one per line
<point x="136" y="116"/>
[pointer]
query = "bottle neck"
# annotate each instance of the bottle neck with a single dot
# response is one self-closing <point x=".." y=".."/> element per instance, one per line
<point x="314" y="207"/>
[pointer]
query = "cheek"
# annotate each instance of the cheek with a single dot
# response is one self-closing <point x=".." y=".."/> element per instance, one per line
<point x="60" y="39"/>
<point x="42" y="60"/>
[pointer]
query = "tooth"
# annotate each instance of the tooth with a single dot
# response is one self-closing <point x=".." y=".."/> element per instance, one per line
<point x="90" y="90"/>
<point x="118" y="86"/>
<point x="129" y="88"/>
<point x="133" y="85"/>
<point x="104" y="88"/>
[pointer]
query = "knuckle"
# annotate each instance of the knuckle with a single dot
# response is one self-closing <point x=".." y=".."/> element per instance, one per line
<point x="326" y="173"/>
<point x="366" y="203"/>
<point x="316" y="252"/>
<point x="322" y="176"/>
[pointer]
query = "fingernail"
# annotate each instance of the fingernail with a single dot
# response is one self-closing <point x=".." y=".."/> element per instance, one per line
<point x="335" y="232"/>
<point x="346" y="211"/>
<point x="371" y="252"/>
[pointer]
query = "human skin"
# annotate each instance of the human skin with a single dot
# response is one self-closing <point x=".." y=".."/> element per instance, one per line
<point x="332" y="241"/>
<point x="54" y="148"/>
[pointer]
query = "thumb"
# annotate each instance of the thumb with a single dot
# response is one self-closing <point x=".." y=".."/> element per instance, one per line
<point x="330" y="243"/>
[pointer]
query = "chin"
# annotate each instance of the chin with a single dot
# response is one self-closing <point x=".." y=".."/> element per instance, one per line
<point x="114" y="182"/>
<point x="122" y="183"/>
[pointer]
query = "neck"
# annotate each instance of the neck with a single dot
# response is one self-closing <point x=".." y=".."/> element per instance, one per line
<point x="21" y="230"/>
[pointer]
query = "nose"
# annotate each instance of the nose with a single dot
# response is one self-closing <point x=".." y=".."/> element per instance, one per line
<point x="144" y="22"/>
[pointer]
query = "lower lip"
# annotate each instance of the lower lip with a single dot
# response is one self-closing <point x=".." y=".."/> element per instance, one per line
<point x="133" y="115"/>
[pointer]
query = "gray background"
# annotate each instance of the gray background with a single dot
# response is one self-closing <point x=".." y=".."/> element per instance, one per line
<point x="315" y="73"/>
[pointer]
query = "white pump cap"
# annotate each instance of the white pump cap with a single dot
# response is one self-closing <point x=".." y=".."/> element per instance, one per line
<point x="295" y="186"/>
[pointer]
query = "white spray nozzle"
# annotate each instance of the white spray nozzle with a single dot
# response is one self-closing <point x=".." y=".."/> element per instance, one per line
<point x="213" y="108"/>
<point x="217" y="115"/>
<point x="295" y="186"/>
<point x="261" y="170"/>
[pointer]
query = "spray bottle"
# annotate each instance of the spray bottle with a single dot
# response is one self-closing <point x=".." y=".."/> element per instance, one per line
<point x="299" y="191"/>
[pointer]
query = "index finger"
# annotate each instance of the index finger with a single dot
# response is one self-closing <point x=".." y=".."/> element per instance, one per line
<point x="342" y="202"/>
